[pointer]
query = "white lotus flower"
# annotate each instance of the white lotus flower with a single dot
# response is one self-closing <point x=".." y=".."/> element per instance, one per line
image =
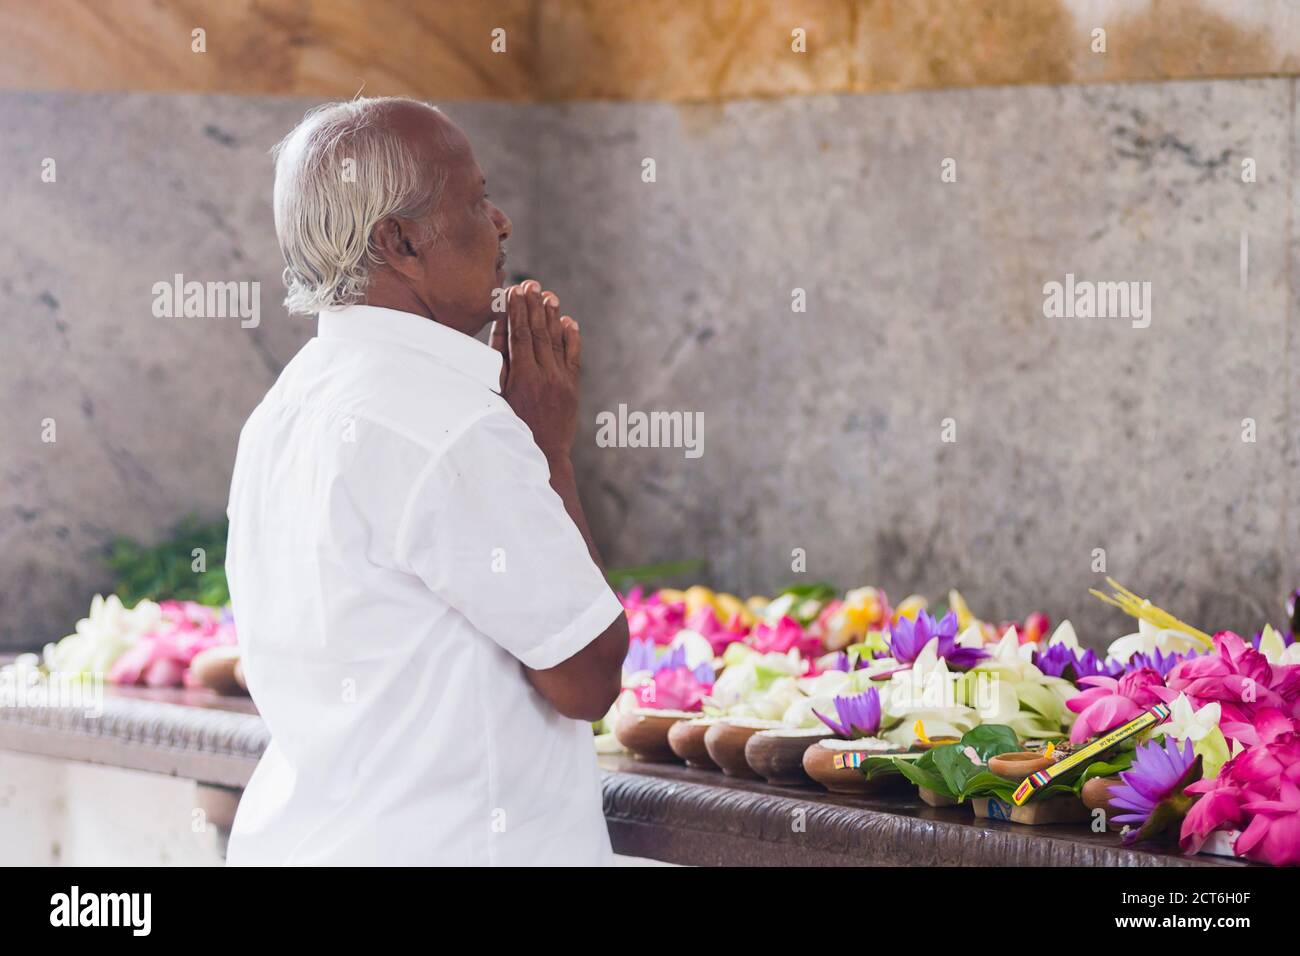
<point x="928" y="693"/>
<point x="1011" y="660"/>
<point x="103" y="635"/>
<point x="1064" y="634"/>
<point x="971" y="637"/>
<point x="800" y="713"/>
<point x="1276" y="650"/>
<point x="778" y="608"/>
<point x="1149" y="638"/>
<point x="1184" y="723"/>
<point x="698" y="649"/>
<point x="829" y="684"/>
<point x="946" y="722"/>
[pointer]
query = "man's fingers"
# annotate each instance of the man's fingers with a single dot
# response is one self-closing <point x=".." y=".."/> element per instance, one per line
<point x="551" y="302"/>
<point x="520" y="333"/>
<point x="572" y="342"/>
<point x="537" y="323"/>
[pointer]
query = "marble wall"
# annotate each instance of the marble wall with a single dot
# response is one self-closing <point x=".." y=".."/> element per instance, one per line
<point x="824" y="428"/>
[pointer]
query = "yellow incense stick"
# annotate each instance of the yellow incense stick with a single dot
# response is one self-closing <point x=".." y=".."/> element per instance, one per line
<point x="1144" y="610"/>
<point x="1081" y="758"/>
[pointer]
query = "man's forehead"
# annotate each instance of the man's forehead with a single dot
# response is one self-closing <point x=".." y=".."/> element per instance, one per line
<point x="446" y="146"/>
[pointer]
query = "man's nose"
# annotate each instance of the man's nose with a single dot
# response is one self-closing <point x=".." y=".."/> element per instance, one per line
<point x="504" y="226"/>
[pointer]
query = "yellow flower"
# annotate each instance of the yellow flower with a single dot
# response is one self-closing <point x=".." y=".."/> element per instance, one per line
<point x="909" y="608"/>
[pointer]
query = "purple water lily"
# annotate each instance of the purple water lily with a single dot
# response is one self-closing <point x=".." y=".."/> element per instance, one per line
<point x="675" y="658"/>
<point x="859" y="715"/>
<point x="704" y="673"/>
<point x="641" y="657"/>
<point x="842" y="662"/>
<point x="1062" y="661"/>
<point x="1158" y="776"/>
<point x="1158" y="661"/>
<point x="908" y="638"/>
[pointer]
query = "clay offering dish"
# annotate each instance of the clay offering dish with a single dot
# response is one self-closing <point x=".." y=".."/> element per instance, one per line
<point x="819" y="763"/>
<point x="644" y="732"/>
<point x="725" y="742"/>
<point x="1019" y="765"/>
<point x="1096" y="794"/>
<point x="686" y="738"/>
<point x="777" y="755"/>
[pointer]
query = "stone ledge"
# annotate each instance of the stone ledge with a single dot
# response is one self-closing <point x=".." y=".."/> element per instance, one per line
<point x="661" y="811"/>
<point x="204" y="744"/>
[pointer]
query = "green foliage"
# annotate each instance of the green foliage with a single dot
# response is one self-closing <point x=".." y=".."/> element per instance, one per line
<point x="948" y="769"/>
<point x="165" y="571"/>
<point x="873" y="767"/>
<point x="819" y="591"/>
<point x="923" y="773"/>
<point x="624" y="579"/>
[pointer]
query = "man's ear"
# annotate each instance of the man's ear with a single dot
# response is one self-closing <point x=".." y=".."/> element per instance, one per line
<point x="393" y="239"/>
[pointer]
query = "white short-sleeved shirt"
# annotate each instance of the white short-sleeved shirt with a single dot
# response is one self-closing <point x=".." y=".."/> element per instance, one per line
<point x="396" y="551"/>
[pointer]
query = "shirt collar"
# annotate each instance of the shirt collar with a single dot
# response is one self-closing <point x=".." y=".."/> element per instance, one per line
<point x="369" y="323"/>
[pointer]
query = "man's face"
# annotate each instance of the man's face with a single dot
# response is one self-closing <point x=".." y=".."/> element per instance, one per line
<point x="465" y="263"/>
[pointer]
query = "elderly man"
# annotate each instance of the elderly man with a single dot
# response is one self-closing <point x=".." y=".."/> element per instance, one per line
<point x="425" y="623"/>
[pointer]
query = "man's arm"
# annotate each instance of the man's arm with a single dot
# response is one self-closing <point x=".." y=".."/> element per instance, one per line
<point x="542" y="353"/>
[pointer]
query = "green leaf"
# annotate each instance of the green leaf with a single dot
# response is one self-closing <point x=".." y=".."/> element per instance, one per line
<point x="924" y="776"/>
<point x="874" y="767"/>
<point x="956" y="767"/>
<point x="1115" y="764"/>
<point x="948" y="769"/>
<point x="988" y="784"/>
<point x="989" y="740"/>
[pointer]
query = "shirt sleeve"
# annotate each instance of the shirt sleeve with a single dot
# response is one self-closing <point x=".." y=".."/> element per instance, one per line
<point x="487" y="533"/>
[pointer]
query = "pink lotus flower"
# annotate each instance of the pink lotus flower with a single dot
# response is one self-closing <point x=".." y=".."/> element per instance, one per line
<point x="161" y="658"/>
<point x="673" y="688"/>
<point x="651" y="618"/>
<point x="1265" y="726"/>
<point x="705" y="621"/>
<point x="1110" y="702"/>
<point x="1274" y="834"/>
<point x="782" y="637"/>
<point x="1241" y="679"/>
<point x="1256" y="792"/>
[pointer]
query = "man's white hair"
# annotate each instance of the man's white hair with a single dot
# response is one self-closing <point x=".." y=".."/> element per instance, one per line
<point x="337" y="174"/>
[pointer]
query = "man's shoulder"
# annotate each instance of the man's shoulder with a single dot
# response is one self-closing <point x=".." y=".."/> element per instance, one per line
<point x="409" y="396"/>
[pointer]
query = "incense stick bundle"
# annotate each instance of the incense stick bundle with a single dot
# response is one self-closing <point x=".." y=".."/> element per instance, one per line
<point x="1144" y="610"/>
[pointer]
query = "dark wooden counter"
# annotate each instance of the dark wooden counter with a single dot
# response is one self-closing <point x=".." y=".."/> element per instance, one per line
<point x="662" y="811"/>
